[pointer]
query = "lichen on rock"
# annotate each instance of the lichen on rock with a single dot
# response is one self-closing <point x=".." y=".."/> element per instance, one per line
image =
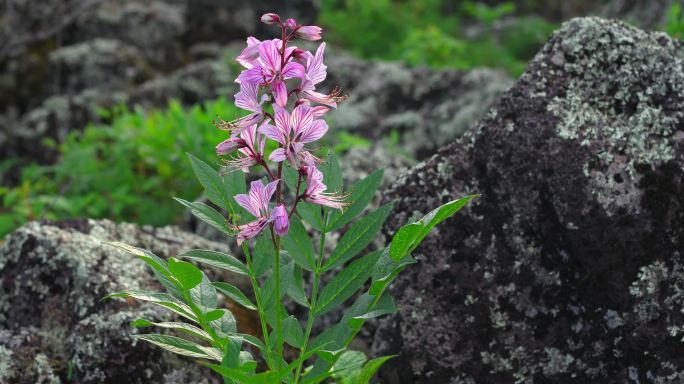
<point x="567" y="269"/>
<point x="54" y="325"/>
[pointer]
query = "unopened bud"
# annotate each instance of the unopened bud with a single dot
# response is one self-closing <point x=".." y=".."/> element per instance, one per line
<point x="270" y="18"/>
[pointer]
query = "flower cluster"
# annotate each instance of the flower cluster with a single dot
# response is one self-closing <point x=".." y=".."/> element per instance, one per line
<point x="283" y="78"/>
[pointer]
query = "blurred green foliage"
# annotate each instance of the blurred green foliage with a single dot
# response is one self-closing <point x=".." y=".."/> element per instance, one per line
<point x="432" y="32"/>
<point x="125" y="171"/>
<point x="674" y="24"/>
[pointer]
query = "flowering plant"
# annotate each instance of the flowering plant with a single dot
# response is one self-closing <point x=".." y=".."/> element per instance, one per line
<point x="275" y="228"/>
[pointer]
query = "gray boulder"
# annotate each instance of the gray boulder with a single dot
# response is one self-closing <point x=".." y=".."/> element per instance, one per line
<point x="54" y="327"/>
<point x="568" y="268"/>
<point x="427" y="108"/>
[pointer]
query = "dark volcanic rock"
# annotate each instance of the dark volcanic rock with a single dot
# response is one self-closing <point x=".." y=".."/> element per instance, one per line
<point x="54" y="328"/>
<point x="569" y="267"/>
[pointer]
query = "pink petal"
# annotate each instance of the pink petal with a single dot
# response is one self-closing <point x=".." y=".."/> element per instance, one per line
<point x="270" y="55"/>
<point x="271" y="188"/>
<point x="273" y="133"/>
<point x="278" y="155"/>
<point x="314" y="131"/>
<point x="253" y="75"/>
<point x="301" y="118"/>
<point x="248" y="97"/>
<point x="282" y="119"/>
<point x="319" y="111"/>
<point x="315" y="69"/>
<point x="246" y="203"/>
<point x="292" y="69"/>
<point x="280" y="93"/>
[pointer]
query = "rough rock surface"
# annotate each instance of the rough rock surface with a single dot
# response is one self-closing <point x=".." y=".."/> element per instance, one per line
<point x="427" y="108"/>
<point x="54" y="328"/>
<point x="61" y="60"/>
<point x="569" y="267"/>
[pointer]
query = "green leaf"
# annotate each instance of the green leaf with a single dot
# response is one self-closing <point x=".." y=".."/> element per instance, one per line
<point x="290" y="176"/>
<point x="349" y="363"/>
<point x="296" y="288"/>
<point x="298" y="245"/>
<point x="234" y="184"/>
<point x="204" y="294"/>
<point x="366" y="373"/>
<point x="361" y="194"/>
<point x="187" y="275"/>
<point x="384" y="306"/>
<point x="311" y="213"/>
<point x="217" y="259"/>
<point x="207" y="214"/>
<point x="214" y="188"/>
<point x="358" y="237"/>
<point x="183" y="327"/>
<point x="224" y="325"/>
<point x="386" y="270"/>
<point x="293" y="332"/>
<point x="262" y="256"/>
<point x="178" y="345"/>
<point x="148" y="257"/>
<point x="213" y="315"/>
<point x="345" y="283"/>
<point x="237" y="374"/>
<point x="332" y="175"/>
<point x="403" y="240"/>
<point x="410" y="239"/>
<point x="234" y="294"/>
<point x="162" y="299"/>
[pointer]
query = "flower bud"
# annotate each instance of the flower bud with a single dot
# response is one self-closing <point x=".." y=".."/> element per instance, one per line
<point x="309" y="32"/>
<point x="227" y="146"/>
<point x="281" y="222"/>
<point x="270" y="18"/>
<point x="291" y="23"/>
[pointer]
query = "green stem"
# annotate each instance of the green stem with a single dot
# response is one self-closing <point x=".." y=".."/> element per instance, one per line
<point x="279" y="320"/>
<point x="216" y="341"/>
<point x="259" y="302"/>
<point x="314" y="298"/>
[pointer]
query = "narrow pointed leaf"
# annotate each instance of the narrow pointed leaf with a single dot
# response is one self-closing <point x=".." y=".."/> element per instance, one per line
<point x="207" y="214"/>
<point x="293" y="332"/>
<point x="234" y="294"/>
<point x="176" y="345"/>
<point x="211" y="181"/>
<point x="225" y="324"/>
<point x="217" y="259"/>
<point x="358" y="237"/>
<point x="204" y="294"/>
<point x="183" y="327"/>
<point x="158" y="298"/>
<point x="262" y="256"/>
<point x="361" y="194"/>
<point x="187" y="275"/>
<point x="298" y="245"/>
<point x="345" y="283"/>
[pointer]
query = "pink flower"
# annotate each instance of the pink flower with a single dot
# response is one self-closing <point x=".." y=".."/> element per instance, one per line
<point x="309" y="32"/>
<point x="266" y="70"/>
<point x="250" y="146"/>
<point x="247" y="98"/>
<point x="315" y="190"/>
<point x="256" y="203"/>
<point x="314" y="73"/>
<point x="270" y="18"/>
<point x="292" y="132"/>
<point x="281" y="222"/>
